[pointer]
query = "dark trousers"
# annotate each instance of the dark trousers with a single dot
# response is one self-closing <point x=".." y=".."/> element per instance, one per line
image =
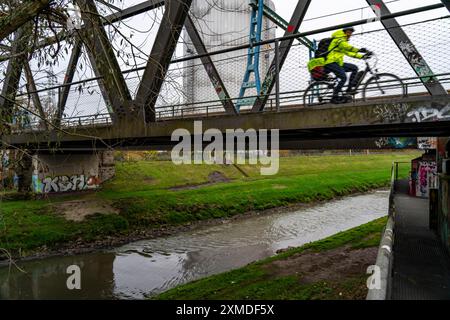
<point x="340" y="73"/>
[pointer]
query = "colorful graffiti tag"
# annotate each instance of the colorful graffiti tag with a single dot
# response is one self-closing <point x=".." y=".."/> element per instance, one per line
<point x="64" y="183"/>
<point x="426" y="143"/>
<point x="427" y="175"/>
<point x="396" y="143"/>
<point x="429" y="114"/>
<point x="391" y="112"/>
<point x="416" y="60"/>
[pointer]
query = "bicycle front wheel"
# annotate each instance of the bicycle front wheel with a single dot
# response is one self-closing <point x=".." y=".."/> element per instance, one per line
<point x="318" y="93"/>
<point x="384" y="85"/>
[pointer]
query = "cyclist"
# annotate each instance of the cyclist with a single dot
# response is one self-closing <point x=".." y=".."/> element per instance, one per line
<point x="332" y="60"/>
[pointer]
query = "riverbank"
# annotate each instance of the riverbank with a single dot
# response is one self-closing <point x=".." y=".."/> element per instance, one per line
<point x="154" y="198"/>
<point x="328" y="269"/>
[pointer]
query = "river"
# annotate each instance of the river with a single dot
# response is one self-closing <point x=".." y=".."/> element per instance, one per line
<point x="147" y="267"/>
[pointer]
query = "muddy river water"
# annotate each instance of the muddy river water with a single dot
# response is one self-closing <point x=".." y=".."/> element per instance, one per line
<point x="148" y="267"/>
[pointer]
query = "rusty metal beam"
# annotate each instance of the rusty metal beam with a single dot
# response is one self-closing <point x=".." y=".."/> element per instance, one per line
<point x="210" y="68"/>
<point x="31" y="87"/>
<point x="285" y="47"/>
<point x="101" y="54"/>
<point x="408" y="49"/>
<point x="158" y="63"/>
<point x="64" y="93"/>
<point x="133" y="11"/>
<point x="14" y="71"/>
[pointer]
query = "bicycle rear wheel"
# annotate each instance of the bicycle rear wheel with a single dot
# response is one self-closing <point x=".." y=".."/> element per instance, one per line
<point x="318" y="93"/>
<point x="384" y="85"/>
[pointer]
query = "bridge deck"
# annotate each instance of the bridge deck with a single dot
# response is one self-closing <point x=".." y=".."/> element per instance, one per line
<point x="406" y="117"/>
<point x="421" y="268"/>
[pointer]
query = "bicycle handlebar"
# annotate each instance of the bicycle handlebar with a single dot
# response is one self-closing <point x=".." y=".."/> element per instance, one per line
<point x="372" y="56"/>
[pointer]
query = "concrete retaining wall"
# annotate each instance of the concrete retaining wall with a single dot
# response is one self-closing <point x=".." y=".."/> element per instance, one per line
<point x="380" y="290"/>
<point x="56" y="173"/>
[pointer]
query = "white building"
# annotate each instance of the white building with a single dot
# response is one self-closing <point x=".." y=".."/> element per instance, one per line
<point x="223" y="24"/>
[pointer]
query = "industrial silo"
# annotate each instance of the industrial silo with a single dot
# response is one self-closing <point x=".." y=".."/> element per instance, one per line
<point x="223" y="24"/>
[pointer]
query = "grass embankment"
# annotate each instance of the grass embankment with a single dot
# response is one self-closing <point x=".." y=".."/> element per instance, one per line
<point x="142" y="198"/>
<point x="338" y="272"/>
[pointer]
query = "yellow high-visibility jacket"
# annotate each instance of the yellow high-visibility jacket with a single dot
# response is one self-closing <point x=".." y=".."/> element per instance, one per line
<point x="339" y="47"/>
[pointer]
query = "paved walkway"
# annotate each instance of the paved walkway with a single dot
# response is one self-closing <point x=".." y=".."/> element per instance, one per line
<point x="421" y="268"/>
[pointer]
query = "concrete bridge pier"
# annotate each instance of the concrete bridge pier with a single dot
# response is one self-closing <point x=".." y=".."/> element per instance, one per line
<point x="48" y="173"/>
<point x="23" y="169"/>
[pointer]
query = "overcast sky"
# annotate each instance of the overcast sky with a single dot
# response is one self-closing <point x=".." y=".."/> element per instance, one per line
<point x="319" y="8"/>
<point x="327" y="8"/>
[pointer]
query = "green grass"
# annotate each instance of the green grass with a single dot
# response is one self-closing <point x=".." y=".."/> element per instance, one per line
<point x="258" y="281"/>
<point x="141" y="193"/>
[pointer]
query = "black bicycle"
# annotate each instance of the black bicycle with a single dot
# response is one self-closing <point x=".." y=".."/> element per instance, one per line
<point x="379" y="85"/>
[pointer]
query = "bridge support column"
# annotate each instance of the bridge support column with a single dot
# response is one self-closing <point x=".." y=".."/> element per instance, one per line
<point x="70" y="172"/>
<point x="23" y="169"/>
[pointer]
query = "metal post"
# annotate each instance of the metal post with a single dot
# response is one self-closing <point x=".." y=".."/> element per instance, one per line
<point x="277" y="76"/>
<point x="396" y="171"/>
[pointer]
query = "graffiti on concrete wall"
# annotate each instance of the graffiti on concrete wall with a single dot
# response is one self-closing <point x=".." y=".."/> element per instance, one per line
<point x="396" y="143"/>
<point x="427" y="178"/>
<point x="427" y="114"/>
<point x="426" y="143"/>
<point x="65" y="183"/>
<point x="403" y="112"/>
<point x="391" y="112"/>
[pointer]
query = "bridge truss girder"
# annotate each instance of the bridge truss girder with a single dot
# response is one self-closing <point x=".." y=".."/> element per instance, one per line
<point x="103" y="60"/>
<point x="408" y="49"/>
<point x="210" y="68"/>
<point x="13" y="72"/>
<point x="284" y="48"/>
<point x="64" y="93"/>
<point x="159" y="61"/>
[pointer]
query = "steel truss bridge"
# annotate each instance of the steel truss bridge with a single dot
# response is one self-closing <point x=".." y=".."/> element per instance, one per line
<point x="143" y="111"/>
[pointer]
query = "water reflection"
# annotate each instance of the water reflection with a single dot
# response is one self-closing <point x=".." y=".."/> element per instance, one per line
<point x="152" y="266"/>
<point x="46" y="279"/>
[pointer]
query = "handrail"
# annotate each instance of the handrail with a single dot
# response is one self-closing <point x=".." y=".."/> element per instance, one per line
<point x="385" y="254"/>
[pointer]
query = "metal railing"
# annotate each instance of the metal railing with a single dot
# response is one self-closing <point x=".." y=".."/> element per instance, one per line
<point x="385" y="256"/>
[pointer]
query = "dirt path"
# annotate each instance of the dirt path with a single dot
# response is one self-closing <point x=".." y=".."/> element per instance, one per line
<point x="334" y="267"/>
